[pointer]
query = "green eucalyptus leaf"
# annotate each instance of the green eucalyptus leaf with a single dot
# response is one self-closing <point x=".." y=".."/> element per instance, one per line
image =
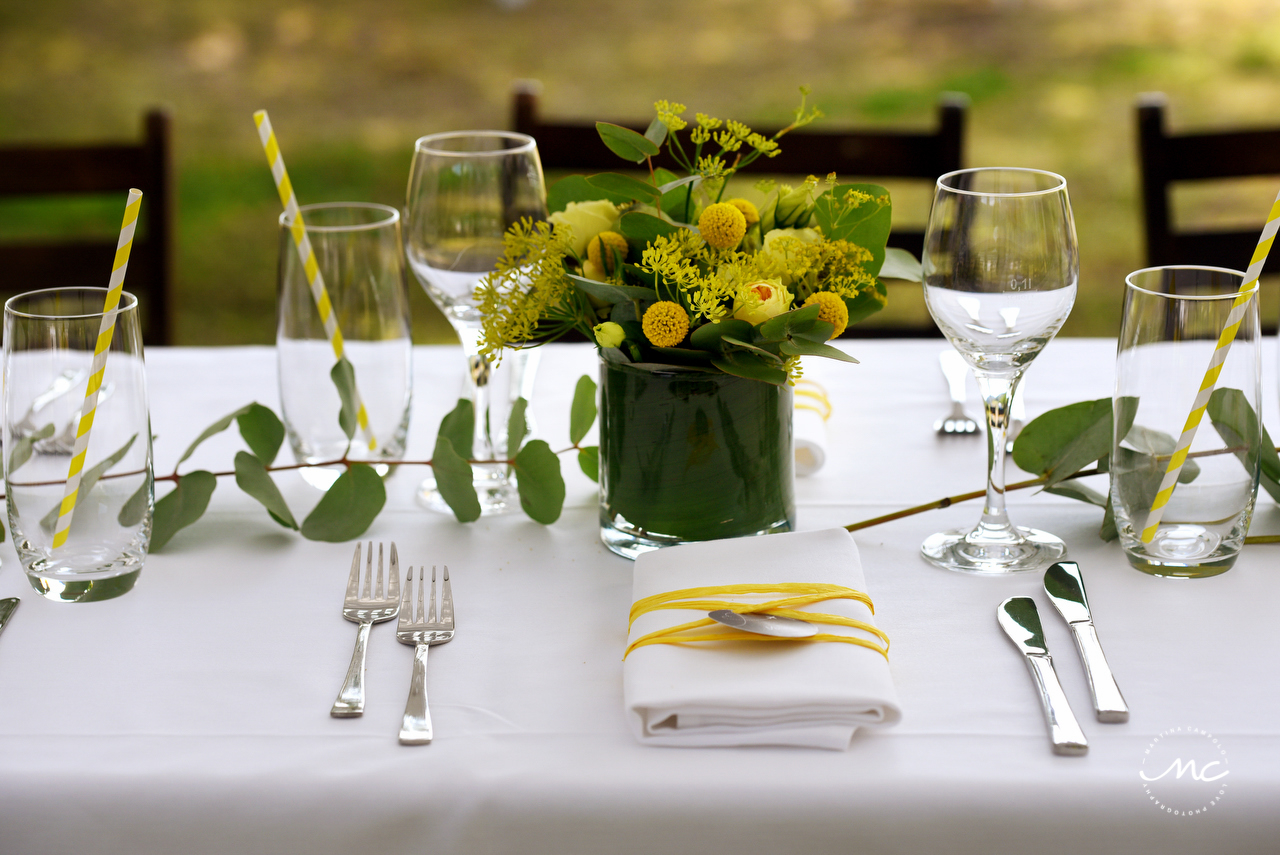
<point x="768" y="357"/>
<point x="1063" y="441"/>
<point x="610" y="293"/>
<point x="135" y="508"/>
<point x="539" y="481"/>
<point x="262" y="430"/>
<point x="182" y="506"/>
<point x="589" y="461"/>
<point x="1159" y="446"/>
<point x="710" y="336"/>
<point x="517" y="425"/>
<point x="217" y="427"/>
<point x="817" y="331"/>
<point x="348" y="507"/>
<point x="805" y="347"/>
<point x="1108" y="530"/>
<point x="867" y="303"/>
<point x="1236" y="421"/>
<point x="22" y="448"/>
<point x="343" y="375"/>
<point x="667" y="186"/>
<point x="626" y="143"/>
<point x="582" y="413"/>
<point x="866" y="225"/>
<point x="253" y="478"/>
<point x="1073" y="489"/>
<point x="656" y="133"/>
<point x="574" y="188"/>
<point x="455" y="480"/>
<point x="750" y="366"/>
<point x="625" y="185"/>
<point x="87" y="482"/>
<point x="784" y="325"/>
<point x="459" y="427"/>
<point x="642" y="229"/>
<point x="900" y="264"/>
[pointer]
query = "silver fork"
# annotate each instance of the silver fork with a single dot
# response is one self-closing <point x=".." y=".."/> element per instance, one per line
<point x="422" y="632"/>
<point x="957" y="422"/>
<point x="374" y="605"/>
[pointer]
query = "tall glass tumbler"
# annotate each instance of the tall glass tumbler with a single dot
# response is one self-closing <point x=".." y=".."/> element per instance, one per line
<point x="1000" y="274"/>
<point x="1173" y="359"/>
<point x="49" y="341"/>
<point x="360" y="255"/>
<point x="465" y="190"/>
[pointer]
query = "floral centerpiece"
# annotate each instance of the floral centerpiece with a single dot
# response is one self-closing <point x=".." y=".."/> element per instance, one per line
<point x="701" y="303"/>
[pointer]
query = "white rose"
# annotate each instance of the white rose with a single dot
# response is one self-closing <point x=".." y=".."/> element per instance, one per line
<point x="586" y="220"/>
<point x="759" y="301"/>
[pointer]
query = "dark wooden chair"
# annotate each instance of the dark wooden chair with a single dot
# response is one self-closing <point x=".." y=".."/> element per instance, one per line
<point x="866" y="154"/>
<point x="96" y="169"/>
<point x="1166" y="158"/>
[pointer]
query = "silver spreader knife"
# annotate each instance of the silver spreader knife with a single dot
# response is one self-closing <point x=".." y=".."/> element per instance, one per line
<point x="1065" y="588"/>
<point x="1021" y="622"/>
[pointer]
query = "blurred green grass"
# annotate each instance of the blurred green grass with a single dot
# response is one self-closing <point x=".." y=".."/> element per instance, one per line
<point x="349" y="89"/>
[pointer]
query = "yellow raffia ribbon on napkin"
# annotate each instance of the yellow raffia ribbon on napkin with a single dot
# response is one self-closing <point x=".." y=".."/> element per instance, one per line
<point x="803" y="594"/>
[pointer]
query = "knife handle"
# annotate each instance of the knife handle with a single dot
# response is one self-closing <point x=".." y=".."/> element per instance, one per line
<point x="1108" y="703"/>
<point x="1064" y="730"/>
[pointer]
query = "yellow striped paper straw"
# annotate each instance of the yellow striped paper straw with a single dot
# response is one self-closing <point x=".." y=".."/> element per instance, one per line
<point x="315" y="279"/>
<point x="106" y="330"/>
<point x="1228" y="335"/>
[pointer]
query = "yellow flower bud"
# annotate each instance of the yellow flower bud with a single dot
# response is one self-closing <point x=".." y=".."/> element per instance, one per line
<point x="665" y="324"/>
<point x="722" y="225"/>
<point x="759" y="301"/>
<point x="748" y="210"/>
<point x="833" y="310"/>
<point x="609" y="334"/>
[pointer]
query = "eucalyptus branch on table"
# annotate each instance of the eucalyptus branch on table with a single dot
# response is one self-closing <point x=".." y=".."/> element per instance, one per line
<point x="355" y="499"/>
<point x="1059" y="444"/>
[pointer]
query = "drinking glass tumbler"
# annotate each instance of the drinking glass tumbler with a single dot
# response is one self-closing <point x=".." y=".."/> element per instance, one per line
<point x="49" y="342"/>
<point x="360" y="256"/>
<point x="1177" y="357"/>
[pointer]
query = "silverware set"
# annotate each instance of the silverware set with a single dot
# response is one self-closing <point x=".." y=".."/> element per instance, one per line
<point x="373" y="602"/>
<point x="1020" y="620"/>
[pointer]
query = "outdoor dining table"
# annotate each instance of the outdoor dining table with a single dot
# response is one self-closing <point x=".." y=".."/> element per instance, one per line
<point x="192" y="714"/>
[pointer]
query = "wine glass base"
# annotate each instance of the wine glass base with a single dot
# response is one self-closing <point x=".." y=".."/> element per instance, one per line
<point x="497" y="496"/>
<point x="960" y="551"/>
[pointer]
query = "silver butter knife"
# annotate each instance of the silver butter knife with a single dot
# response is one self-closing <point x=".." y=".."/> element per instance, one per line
<point x="1020" y="621"/>
<point x="1065" y="588"/>
<point x="7" y="607"/>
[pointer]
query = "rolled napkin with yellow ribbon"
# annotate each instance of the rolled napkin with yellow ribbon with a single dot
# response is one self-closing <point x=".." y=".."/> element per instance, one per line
<point x="811" y="693"/>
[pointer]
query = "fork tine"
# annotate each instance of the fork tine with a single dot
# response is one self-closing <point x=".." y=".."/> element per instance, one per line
<point x="431" y="616"/>
<point x="393" y="577"/>
<point x="446" y="601"/>
<point x="406" y="610"/>
<point x="418" y="618"/>
<point x="353" y="581"/>
<point x="368" y="573"/>
<point x="377" y="591"/>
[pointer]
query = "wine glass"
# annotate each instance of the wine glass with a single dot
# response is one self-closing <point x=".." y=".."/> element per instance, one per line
<point x="466" y="188"/>
<point x="1000" y="272"/>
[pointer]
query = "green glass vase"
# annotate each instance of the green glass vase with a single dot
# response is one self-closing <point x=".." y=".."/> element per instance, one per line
<point x="690" y="455"/>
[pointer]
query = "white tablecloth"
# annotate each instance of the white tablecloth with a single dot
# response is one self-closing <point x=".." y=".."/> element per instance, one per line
<point x="191" y="716"/>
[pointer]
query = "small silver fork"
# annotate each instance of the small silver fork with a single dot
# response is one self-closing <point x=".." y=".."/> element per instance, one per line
<point x="372" y="606"/>
<point x="414" y="629"/>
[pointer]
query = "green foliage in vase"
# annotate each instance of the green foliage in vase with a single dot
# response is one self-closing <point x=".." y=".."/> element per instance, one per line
<point x="655" y="270"/>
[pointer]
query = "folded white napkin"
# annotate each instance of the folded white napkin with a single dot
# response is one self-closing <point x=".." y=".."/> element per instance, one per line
<point x="810" y="694"/>
<point x="809" y="427"/>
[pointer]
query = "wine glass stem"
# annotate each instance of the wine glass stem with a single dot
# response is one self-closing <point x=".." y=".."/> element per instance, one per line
<point x="479" y="372"/>
<point x="997" y="394"/>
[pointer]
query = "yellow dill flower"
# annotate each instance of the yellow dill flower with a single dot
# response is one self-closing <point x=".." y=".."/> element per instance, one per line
<point x="708" y="122"/>
<point x="722" y="225"/>
<point x="665" y="324"/>
<point x="698" y="136"/>
<point x="602" y="248"/>
<point x="833" y="310"/>
<point x="738" y="129"/>
<point x="748" y="210"/>
<point x="669" y="114"/>
<point x="794" y="369"/>
<point x="728" y="141"/>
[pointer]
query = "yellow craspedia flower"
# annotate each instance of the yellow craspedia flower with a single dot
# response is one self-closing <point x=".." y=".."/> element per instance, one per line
<point x="602" y="247"/>
<point x="665" y="324"/>
<point x="722" y="225"/>
<point x="833" y="310"/>
<point x="748" y="210"/>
